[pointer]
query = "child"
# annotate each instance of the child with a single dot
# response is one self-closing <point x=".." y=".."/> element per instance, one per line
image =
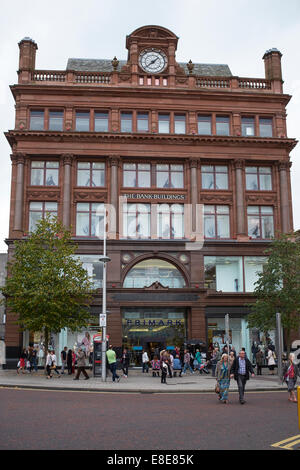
<point x="155" y="363"/>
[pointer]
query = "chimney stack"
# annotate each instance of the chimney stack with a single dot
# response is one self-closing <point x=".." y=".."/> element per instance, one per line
<point x="27" y="55"/>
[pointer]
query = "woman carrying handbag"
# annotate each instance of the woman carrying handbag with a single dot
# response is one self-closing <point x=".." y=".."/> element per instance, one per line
<point x="223" y="378"/>
<point x="290" y="375"/>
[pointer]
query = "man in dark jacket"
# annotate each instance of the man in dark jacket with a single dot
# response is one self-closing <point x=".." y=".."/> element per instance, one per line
<point x="240" y="369"/>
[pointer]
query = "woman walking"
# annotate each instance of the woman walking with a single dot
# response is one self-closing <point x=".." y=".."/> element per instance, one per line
<point x="22" y="361"/>
<point x="271" y="361"/>
<point x="69" y="362"/>
<point x="223" y="377"/>
<point x="290" y="375"/>
<point x="48" y="364"/>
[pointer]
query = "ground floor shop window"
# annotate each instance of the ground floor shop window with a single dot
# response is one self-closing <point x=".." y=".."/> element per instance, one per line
<point x="152" y="329"/>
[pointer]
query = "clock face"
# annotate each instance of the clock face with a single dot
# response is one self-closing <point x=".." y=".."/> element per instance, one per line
<point x="153" y="60"/>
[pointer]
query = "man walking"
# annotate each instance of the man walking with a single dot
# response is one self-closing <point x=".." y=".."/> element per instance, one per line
<point x="145" y="360"/>
<point x="63" y="356"/>
<point x="81" y="365"/>
<point x="112" y="362"/>
<point x="240" y="369"/>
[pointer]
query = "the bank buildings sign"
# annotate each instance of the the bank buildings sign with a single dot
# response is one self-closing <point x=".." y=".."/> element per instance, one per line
<point x="170" y="197"/>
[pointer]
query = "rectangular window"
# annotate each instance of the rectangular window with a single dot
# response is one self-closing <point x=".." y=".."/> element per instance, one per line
<point x="137" y="175"/>
<point x="136" y="220"/>
<point x="94" y="268"/>
<point x="90" y="174"/>
<point x="169" y="176"/>
<point x="252" y="266"/>
<point x="56" y="120"/>
<point x="37" y="120"/>
<point x="82" y="121"/>
<point x="214" y="177"/>
<point x="38" y="211"/>
<point x="224" y="273"/>
<point x="260" y="222"/>
<point x="44" y="173"/>
<point x="258" y="178"/>
<point x="179" y="123"/>
<point x="170" y="221"/>
<point x="265" y="127"/>
<point x="164" y="123"/>
<point x="101" y="121"/>
<point x="222" y="125"/>
<point x="248" y="126"/>
<point x="126" y="122"/>
<point x="204" y="125"/>
<point x="216" y="221"/>
<point x="142" y="122"/>
<point x="89" y="219"/>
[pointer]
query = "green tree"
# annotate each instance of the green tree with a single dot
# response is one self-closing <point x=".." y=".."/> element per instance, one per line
<point x="46" y="286"/>
<point x="278" y="288"/>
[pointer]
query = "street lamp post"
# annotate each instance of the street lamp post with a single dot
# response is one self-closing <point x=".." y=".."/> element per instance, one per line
<point x="104" y="258"/>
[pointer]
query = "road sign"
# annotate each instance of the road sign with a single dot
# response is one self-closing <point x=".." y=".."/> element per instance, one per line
<point x="102" y="319"/>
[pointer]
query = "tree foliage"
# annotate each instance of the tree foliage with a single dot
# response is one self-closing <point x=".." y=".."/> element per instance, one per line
<point x="278" y="287"/>
<point x="47" y="287"/>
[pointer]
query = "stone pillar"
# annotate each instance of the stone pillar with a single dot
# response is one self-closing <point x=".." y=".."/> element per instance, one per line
<point x="284" y="197"/>
<point x="240" y="200"/>
<point x="194" y="190"/>
<point x="273" y="72"/>
<point x="19" y="160"/>
<point x="27" y="55"/>
<point x="113" y="218"/>
<point x="67" y="165"/>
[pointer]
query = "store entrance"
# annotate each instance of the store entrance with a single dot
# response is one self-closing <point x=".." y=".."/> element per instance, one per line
<point x="153" y="348"/>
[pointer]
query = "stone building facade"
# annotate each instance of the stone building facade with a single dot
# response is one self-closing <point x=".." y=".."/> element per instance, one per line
<point x="193" y="161"/>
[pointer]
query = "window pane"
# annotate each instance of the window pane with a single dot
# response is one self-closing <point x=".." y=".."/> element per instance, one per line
<point x="82" y="224"/>
<point x="176" y="180"/>
<point x="224" y="273"/>
<point x="223" y="226"/>
<point x="144" y="179"/>
<point x="101" y="122"/>
<point x="162" y="179"/>
<point x="265" y="127"/>
<point x="209" y="226"/>
<point x="56" y="120"/>
<point x="221" y="181"/>
<point x="222" y="125"/>
<point x="207" y="181"/>
<point x="83" y="178"/>
<point x="37" y="177"/>
<point x="253" y="265"/>
<point x="147" y="272"/>
<point x="142" y="122"/>
<point x="98" y="178"/>
<point x="51" y="177"/>
<point x="83" y="165"/>
<point x="82" y="122"/>
<point x="34" y="217"/>
<point x="204" y="125"/>
<point x="251" y="182"/>
<point x="248" y="127"/>
<point x="163" y="123"/>
<point x="179" y="124"/>
<point x="267" y="226"/>
<point x="177" y="225"/>
<point x="253" y="227"/>
<point x="129" y="179"/>
<point x="97" y="225"/>
<point x="126" y="122"/>
<point x="36" y="120"/>
<point x="265" y="182"/>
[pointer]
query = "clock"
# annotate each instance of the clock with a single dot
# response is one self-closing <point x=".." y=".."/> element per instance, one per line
<point x="153" y="60"/>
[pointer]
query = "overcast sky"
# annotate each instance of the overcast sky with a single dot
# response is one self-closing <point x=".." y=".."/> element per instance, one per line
<point x="235" y="32"/>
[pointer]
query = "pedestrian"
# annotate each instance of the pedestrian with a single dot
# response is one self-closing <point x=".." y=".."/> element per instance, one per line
<point x="81" y="357"/>
<point x="145" y="361"/>
<point x="34" y="359"/>
<point x="54" y="363"/>
<point x="69" y="361"/>
<point x="125" y="363"/>
<point x="223" y="377"/>
<point x="271" y="360"/>
<point x="73" y="361"/>
<point x="289" y="375"/>
<point x="155" y="364"/>
<point x="63" y="356"/>
<point x="240" y="370"/>
<point x="186" y="362"/>
<point x="48" y="364"/>
<point x="259" y="357"/>
<point x="216" y="357"/>
<point x="22" y="361"/>
<point x="112" y="362"/>
<point x="164" y="368"/>
<point x="170" y="365"/>
<point x="231" y="358"/>
<point x="177" y="366"/>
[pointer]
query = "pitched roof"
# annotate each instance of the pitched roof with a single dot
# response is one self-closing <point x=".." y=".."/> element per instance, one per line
<point x="103" y="65"/>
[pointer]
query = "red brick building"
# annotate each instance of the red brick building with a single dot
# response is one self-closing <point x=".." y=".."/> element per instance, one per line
<point x="187" y="145"/>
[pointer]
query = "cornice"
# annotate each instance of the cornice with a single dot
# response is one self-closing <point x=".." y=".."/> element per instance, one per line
<point x="13" y="136"/>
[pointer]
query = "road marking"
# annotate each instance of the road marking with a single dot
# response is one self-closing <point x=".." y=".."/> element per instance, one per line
<point x="288" y="443"/>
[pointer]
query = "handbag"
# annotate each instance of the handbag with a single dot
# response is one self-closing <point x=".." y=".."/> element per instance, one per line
<point x="217" y="388"/>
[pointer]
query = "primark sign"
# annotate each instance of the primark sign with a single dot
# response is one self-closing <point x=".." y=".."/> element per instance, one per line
<point x="154" y="323"/>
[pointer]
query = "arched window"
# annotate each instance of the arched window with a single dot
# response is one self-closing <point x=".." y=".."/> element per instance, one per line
<point x="145" y="273"/>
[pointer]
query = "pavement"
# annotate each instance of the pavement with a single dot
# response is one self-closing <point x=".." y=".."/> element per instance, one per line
<point x="137" y="382"/>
